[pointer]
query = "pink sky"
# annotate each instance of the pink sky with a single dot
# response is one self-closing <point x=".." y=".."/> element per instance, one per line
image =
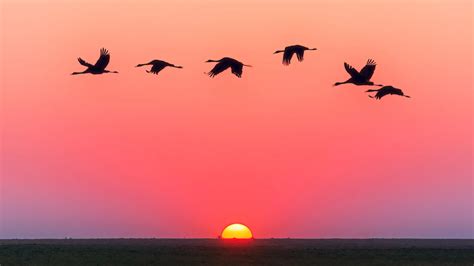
<point x="280" y="150"/>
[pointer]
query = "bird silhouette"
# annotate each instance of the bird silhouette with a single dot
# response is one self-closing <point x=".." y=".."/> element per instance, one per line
<point x="100" y="65"/>
<point x="386" y="90"/>
<point x="291" y="50"/>
<point x="360" y="78"/>
<point x="157" y="66"/>
<point x="225" y="63"/>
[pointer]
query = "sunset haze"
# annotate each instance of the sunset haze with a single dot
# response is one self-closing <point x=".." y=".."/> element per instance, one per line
<point x="281" y="149"/>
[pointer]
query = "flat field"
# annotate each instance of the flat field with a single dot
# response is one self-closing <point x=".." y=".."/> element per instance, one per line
<point x="237" y="252"/>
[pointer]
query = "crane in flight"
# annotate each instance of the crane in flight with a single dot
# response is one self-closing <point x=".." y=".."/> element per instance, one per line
<point x="360" y="78"/>
<point x="157" y="66"/>
<point x="386" y="90"/>
<point x="225" y="63"/>
<point x="291" y="50"/>
<point x="98" y="67"/>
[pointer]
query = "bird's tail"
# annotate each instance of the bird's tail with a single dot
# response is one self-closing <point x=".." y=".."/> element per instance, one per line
<point x="370" y="96"/>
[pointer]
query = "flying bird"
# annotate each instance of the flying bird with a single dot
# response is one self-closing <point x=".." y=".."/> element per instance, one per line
<point x="386" y="90"/>
<point x="360" y="78"/>
<point x="100" y="65"/>
<point x="225" y="63"/>
<point x="291" y="50"/>
<point x="157" y="66"/>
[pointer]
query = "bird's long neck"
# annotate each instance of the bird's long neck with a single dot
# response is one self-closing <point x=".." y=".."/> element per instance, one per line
<point x="176" y="66"/>
<point x="246" y="65"/>
<point x="78" y="73"/>
<point x="213" y="61"/>
<point x="279" y="51"/>
<point x="340" y="83"/>
<point x="312" y="49"/>
<point x="107" y="71"/>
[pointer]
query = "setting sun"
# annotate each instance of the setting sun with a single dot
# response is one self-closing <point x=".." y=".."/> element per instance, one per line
<point x="236" y="231"/>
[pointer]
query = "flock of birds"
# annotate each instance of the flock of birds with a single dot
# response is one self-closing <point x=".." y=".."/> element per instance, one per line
<point x="361" y="77"/>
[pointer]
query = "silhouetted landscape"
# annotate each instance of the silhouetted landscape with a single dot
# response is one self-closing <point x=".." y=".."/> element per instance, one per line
<point x="240" y="252"/>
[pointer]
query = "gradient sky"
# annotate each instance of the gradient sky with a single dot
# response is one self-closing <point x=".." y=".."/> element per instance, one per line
<point x="280" y="150"/>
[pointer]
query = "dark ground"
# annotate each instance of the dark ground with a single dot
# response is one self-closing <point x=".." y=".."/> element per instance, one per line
<point x="240" y="252"/>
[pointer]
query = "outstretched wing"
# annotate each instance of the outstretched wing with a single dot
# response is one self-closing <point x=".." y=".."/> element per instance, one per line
<point x="352" y="71"/>
<point x="218" y="68"/>
<point x="287" y="55"/>
<point x="383" y="91"/>
<point x="237" y="69"/>
<point x="83" y="62"/>
<point x="368" y="70"/>
<point x="300" y="54"/>
<point x="156" y="68"/>
<point x="103" y="60"/>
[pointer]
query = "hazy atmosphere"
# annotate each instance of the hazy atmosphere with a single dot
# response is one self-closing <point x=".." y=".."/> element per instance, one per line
<point x="281" y="149"/>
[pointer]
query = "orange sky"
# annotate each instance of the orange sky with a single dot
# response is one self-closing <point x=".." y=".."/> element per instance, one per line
<point x="280" y="150"/>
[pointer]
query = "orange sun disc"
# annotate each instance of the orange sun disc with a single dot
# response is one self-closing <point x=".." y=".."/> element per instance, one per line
<point x="236" y="231"/>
